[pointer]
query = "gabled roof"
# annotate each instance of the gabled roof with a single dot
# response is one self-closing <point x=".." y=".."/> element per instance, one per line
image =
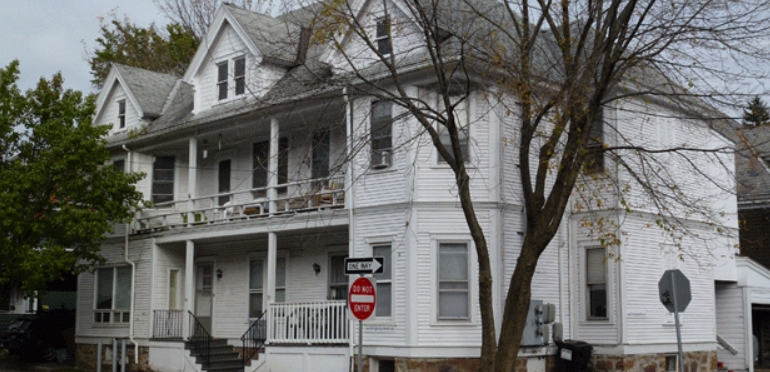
<point x="148" y="87"/>
<point x="752" y="165"/>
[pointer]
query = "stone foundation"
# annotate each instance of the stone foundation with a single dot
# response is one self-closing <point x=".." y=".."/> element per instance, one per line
<point x="86" y="357"/>
<point x="452" y="365"/>
<point x="699" y="361"/>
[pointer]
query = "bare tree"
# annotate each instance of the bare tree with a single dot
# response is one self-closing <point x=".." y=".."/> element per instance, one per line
<point x="554" y="66"/>
<point x="197" y="15"/>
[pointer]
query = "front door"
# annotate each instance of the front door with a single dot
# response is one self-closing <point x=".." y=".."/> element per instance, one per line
<point x="204" y="283"/>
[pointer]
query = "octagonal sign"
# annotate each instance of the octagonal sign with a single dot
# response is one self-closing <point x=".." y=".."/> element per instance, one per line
<point x="674" y="290"/>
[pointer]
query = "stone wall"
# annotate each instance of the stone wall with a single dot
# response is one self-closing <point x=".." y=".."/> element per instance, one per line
<point x="451" y="365"/>
<point x="86" y="357"/>
<point x="700" y="361"/>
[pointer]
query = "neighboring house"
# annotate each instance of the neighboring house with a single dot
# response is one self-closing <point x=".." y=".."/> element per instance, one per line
<point x="260" y="187"/>
<point x="743" y="307"/>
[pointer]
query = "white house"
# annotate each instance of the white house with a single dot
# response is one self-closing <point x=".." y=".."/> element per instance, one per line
<point x="261" y="186"/>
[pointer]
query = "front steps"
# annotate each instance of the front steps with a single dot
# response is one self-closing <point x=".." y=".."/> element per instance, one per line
<point x="222" y="358"/>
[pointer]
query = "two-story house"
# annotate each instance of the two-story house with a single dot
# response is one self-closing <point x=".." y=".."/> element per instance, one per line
<point x="263" y="174"/>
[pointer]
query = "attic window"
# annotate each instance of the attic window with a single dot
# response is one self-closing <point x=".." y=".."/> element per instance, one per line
<point x="384" y="46"/>
<point x="240" y="76"/>
<point x="121" y="114"/>
<point x="222" y="79"/>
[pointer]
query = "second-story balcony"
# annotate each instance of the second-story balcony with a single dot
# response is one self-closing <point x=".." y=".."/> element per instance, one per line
<point x="294" y="197"/>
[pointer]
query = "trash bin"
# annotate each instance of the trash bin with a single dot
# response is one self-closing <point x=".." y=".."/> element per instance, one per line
<point x="573" y="355"/>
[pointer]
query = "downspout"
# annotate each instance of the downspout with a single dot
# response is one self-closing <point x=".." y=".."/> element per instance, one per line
<point x="133" y="273"/>
<point x="349" y="200"/>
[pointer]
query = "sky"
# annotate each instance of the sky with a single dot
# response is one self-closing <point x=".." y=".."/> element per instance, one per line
<point x="48" y="36"/>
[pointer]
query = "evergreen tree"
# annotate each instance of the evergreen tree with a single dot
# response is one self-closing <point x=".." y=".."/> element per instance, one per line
<point x="756" y="113"/>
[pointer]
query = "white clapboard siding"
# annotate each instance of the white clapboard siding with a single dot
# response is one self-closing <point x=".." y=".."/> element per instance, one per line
<point x="109" y="112"/>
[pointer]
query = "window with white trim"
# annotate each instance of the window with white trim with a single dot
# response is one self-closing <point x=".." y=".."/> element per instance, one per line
<point x="382" y="39"/>
<point x="119" y="166"/>
<point x="257" y="273"/>
<point x="222" y="80"/>
<point x="596" y="284"/>
<point x="240" y="75"/>
<point x="338" y="281"/>
<point x="384" y="281"/>
<point x="381" y="133"/>
<point x="163" y="179"/>
<point x="122" y="114"/>
<point x="112" y="300"/>
<point x="460" y="112"/>
<point x="453" y="281"/>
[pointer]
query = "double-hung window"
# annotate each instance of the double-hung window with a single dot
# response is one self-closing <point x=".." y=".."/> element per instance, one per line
<point x="222" y="79"/>
<point x="240" y="76"/>
<point x="163" y="179"/>
<point x="257" y="272"/>
<point x="453" y="281"/>
<point x="112" y="303"/>
<point x="382" y="134"/>
<point x="122" y="114"/>
<point x="119" y="166"/>
<point x="596" y="283"/>
<point x="338" y="281"/>
<point x="460" y="113"/>
<point x="384" y="46"/>
<point x="384" y="281"/>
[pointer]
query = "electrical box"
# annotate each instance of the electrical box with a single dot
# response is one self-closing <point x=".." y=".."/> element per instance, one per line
<point x="536" y="330"/>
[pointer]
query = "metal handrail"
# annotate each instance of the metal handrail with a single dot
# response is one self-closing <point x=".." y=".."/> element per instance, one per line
<point x="200" y="335"/>
<point x="256" y="336"/>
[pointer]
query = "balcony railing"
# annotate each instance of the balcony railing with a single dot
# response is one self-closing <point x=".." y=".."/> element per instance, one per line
<point x="168" y="324"/>
<point x="301" y="196"/>
<point x="308" y="323"/>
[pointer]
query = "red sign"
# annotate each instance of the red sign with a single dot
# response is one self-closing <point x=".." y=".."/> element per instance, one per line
<point x="362" y="298"/>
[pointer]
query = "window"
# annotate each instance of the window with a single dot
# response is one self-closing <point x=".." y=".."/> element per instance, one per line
<point x="596" y="283"/>
<point x="384" y="281"/>
<point x="594" y="161"/>
<point x="122" y="114"/>
<point x="381" y="132"/>
<point x="240" y="76"/>
<point x="461" y="121"/>
<point x="453" y="284"/>
<point x="222" y="80"/>
<point x="113" y="295"/>
<point x="384" y="47"/>
<point x="257" y="274"/>
<point x="672" y="363"/>
<point x="338" y="281"/>
<point x="261" y="162"/>
<point x="320" y="165"/>
<point x="119" y="166"/>
<point x="163" y="179"/>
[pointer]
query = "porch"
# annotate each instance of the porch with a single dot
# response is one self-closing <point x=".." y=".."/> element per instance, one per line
<point x="310" y="323"/>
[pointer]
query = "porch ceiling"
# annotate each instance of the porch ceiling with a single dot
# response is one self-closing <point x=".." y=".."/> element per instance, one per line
<point x="316" y="235"/>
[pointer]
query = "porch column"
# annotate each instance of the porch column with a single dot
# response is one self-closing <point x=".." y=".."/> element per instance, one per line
<point x="272" y="253"/>
<point x="272" y="165"/>
<point x="192" y="177"/>
<point x="189" y="287"/>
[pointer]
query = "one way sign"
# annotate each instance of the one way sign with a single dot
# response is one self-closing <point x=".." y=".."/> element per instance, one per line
<point x="364" y="265"/>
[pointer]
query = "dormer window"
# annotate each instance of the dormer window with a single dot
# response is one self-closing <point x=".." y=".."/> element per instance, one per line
<point x="122" y="114"/>
<point x="384" y="46"/>
<point x="240" y="76"/>
<point x="222" y="80"/>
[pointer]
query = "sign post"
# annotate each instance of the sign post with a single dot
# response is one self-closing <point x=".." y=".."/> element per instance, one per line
<point x="362" y="300"/>
<point x="675" y="295"/>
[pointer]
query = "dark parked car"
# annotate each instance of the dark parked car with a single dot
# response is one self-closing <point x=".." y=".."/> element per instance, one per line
<point x="37" y="337"/>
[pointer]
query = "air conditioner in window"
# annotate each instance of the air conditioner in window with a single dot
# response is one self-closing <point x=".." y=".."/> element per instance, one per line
<point x="381" y="160"/>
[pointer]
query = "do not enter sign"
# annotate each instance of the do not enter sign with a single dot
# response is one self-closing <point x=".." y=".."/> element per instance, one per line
<point x="362" y="298"/>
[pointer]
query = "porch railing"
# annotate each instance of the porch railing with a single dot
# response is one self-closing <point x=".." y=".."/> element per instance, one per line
<point x="168" y="324"/>
<point x="254" y="338"/>
<point x="308" y="323"/>
<point x="200" y="338"/>
<point x="301" y="196"/>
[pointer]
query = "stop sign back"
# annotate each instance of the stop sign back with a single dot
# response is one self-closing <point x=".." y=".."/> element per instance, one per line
<point x="362" y="298"/>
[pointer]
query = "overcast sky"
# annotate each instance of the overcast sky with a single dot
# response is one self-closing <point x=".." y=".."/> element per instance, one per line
<point x="47" y="36"/>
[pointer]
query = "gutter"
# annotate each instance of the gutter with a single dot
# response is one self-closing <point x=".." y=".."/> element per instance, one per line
<point x="133" y="273"/>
